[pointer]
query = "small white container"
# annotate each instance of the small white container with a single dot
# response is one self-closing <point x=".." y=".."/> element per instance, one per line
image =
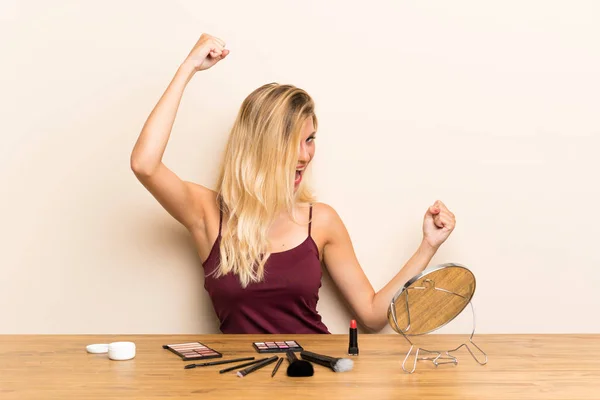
<point x="120" y="351"/>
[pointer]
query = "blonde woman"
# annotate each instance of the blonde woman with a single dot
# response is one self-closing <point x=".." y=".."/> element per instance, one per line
<point x="260" y="234"/>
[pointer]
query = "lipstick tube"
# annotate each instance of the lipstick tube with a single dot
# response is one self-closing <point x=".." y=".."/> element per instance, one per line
<point x="353" y="341"/>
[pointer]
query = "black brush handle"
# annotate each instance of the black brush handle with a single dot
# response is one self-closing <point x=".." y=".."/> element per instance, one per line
<point x="318" y="358"/>
<point x="291" y="356"/>
<point x="242" y="365"/>
<point x="257" y="366"/>
<point x="207" y="364"/>
<point x="276" y="367"/>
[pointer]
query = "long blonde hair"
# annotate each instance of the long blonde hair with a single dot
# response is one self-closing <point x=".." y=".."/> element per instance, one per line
<point x="256" y="180"/>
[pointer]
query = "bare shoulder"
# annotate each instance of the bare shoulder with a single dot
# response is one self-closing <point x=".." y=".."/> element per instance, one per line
<point x="326" y="212"/>
<point x="327" y="222"/>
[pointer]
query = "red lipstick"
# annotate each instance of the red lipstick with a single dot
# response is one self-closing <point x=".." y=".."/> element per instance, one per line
<point x="353" y="342"/>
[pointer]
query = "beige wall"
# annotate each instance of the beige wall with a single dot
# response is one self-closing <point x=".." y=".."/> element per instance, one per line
<point x="492" y="107"/>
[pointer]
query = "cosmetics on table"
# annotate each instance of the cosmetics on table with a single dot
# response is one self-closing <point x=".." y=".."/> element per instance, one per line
<point x="277" y="346"/>
<point x="353" y="339"/>
<point x="193" y="351"/>
<point x="297" y="367"/>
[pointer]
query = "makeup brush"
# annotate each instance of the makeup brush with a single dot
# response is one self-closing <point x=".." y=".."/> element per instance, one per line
<point x="206" y="364"/>
<point x="243" y="365"/>
<point x="336" y="364"/>
<point x="298" y="367"/>
<point x="256" y="366"/>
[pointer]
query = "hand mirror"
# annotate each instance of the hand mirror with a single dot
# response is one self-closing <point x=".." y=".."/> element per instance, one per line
<point x="430" y="301"/>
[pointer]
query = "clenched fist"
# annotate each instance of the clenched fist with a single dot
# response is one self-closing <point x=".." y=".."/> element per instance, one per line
<point x="208" y="51"/>
<point x="438" y="223"/>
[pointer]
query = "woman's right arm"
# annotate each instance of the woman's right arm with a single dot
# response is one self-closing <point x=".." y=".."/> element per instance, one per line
<point x="181" y="199"/>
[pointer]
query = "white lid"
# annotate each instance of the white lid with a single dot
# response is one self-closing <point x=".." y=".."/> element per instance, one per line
<point x="97" y="348"/>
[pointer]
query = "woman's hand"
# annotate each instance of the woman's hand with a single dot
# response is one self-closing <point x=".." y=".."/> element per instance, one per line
<point x="208" y="51"/>
<point x="438" y="223"/>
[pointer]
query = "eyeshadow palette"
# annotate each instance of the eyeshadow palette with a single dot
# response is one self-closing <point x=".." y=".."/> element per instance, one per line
<point x="193" y="351"/>
<point x="277" y="347"/>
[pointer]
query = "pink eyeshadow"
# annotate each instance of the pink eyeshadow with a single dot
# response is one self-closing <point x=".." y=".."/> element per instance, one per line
<point x="193" y="351"/>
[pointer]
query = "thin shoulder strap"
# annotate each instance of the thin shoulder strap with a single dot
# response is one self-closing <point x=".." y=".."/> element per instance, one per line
<point x="310" y="219"/>
<point x="220" y="215"/>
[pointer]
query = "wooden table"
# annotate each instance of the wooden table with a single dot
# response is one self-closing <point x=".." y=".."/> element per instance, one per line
<point x="519" y="367"/>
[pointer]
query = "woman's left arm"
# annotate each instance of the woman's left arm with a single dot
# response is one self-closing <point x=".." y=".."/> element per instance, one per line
<point x="340" y="259"/>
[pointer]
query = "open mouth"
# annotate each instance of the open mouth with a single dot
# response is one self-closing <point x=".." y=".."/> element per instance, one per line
<point x="298" y="176"/>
